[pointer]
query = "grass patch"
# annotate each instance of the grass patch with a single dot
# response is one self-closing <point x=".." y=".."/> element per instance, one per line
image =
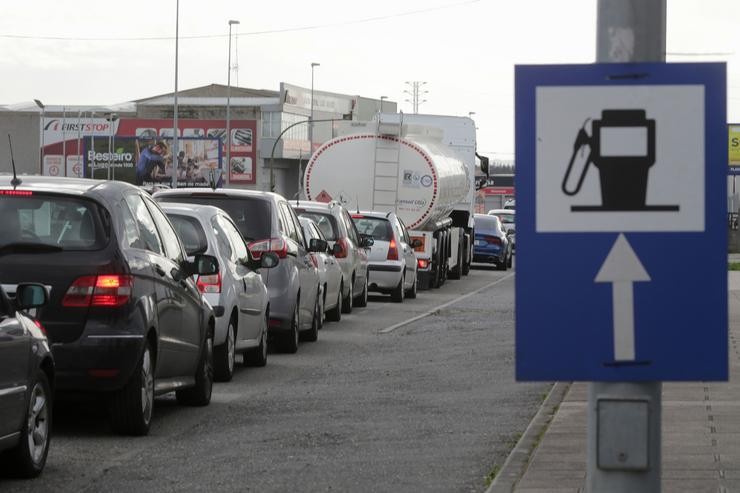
<point x="733" y="266"/>
<point x="492" y="475"/>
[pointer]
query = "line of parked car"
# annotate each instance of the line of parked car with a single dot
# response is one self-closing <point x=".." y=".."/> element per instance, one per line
<point x="107" y="289"/>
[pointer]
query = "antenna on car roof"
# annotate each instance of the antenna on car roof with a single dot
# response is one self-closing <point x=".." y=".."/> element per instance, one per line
<point x="357" y="197"/>
<point x="15" y="181"/>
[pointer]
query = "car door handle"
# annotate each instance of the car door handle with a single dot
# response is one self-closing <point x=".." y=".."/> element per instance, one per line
<point x="158" y="268"/>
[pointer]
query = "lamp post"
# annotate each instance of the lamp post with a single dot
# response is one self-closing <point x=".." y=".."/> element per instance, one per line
<point x="43" y="115"/>
<point x="228" y="104"/>
<point x="382" y="98"/>
<point x="310" y="118"/>
<point x="175" y="150"/>
<point x="470" y="114"/>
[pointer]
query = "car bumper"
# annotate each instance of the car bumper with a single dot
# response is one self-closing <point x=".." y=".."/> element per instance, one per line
<point x="384" y="277"/>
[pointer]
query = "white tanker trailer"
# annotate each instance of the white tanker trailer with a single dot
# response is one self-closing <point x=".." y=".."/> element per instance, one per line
<point x="420" y="166"/>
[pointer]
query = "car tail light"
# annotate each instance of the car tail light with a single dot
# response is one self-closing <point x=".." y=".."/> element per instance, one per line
<point x="209" y="284"/>
<point x="16" y="193"/>
<point x="343" y="248"/>
<point x="493" y="240"/>
<point x="277" y="245"/>
<point x="41" y="327"/>
<point x="422" y="263"/>
<point x="357" y="216"/>
<point x="392" y="250"/>
<point x="109" y="290"/>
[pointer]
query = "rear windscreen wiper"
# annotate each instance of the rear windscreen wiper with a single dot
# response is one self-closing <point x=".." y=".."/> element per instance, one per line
<point x="29" y="247"/>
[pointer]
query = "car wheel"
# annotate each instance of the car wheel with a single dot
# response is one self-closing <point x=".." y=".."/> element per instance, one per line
<point x="362" y="299"/>
<point x="258" y="355"/>
<point x="312" y="334"/>
<point x="27" y="459"/>
<point x="335" y="314"/>
<point x="398" y="292"/>
<point x="347" y="301"/>
<point x="501" y="265"/>
<point x="511" y="260"/>
<point x="200" y="394"/>
<point x="290" y="340"/>
<point x="411" y="293"/>
<point x="225" y="354"/>
<point x="132" y="406"/>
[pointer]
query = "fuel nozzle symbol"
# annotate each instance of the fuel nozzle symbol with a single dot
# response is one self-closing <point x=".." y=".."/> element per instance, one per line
<point x="622" y="147"/>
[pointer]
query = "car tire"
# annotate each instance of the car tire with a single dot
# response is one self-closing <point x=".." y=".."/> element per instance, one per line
<point x="511" y="260"/>
<point x="131" y="408"/>
<point x="224" y="355"/>
<point x="28" y="458"/>
<point x="258" y="355"/>
<point x="347" y="300"/>
<point x="361" y="300"/>
<point x="312" y="334"/>
<point x="290" y="340"/>
<point x="411" y="292"/>
<point x="335" y="314"/>
<point x="398" y="292"/>
<point x="200" y="394"/>
<point x="501" y="265"/>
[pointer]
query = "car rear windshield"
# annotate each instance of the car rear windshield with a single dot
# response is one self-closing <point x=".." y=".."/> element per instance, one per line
<point x="505" y="218"/>
<point x="325" y="221"/>
<point x="191" y="233"/>
<point x="56" y="221"/>
<point x="488" y="223"/>
<point x="251" y="215"/>
<point x="378" y="228"/>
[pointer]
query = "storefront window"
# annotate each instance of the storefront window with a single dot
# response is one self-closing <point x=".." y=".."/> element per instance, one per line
<point x="274" y="122"/>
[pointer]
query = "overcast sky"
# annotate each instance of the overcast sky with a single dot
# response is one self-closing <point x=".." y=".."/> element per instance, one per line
<point x="465" y="50"/>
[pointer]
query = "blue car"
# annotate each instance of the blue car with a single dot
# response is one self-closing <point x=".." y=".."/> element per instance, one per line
<point x="492" y="245"/>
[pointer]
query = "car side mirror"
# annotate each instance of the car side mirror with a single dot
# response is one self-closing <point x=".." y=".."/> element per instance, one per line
<point x="336" y="249"/>
<point x="416" y="243"/>
<point x="203" y="265"/>
<point x="317" y="245"/>
<point x="30" y="295"/>
<point x="366" y="241"/>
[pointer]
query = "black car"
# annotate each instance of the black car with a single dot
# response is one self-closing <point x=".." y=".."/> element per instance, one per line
<point x="26" y="384"/>
<point x="125" y="316"/>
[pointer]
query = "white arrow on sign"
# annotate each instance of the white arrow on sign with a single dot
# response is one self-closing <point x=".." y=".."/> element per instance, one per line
<point x="622" y="267"/>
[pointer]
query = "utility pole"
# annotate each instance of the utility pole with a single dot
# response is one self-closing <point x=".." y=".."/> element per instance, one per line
<point x="627" y="31"/>
<point x="416" y="94"/>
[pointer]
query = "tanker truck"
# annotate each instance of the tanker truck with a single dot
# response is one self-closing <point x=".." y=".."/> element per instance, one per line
<point x="422" y="167"/>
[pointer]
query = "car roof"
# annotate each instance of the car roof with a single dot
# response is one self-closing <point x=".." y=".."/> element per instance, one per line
<point x="64" y="185"/>
<point x="228" y="192"/>
<point x="193" y="210"/>
<point x="310" y="204"/>
<point x="501" y="211"/>
<point x="376" y="214"/>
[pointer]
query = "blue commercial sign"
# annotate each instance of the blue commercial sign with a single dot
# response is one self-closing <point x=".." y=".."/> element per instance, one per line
<point x="621" y="222"/>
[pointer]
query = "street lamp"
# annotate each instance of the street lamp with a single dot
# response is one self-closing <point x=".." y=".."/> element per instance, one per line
<point x="228" y="104"/>
<point x="382" y="98"/>
<point x="175" y="150"/>
<point x="43" y="114"/>
<point x="470" y="114"/>
<point x="310" y="126"/>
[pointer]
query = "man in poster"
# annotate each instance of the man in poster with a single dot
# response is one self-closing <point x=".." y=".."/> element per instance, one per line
<point x="150" y="166"/>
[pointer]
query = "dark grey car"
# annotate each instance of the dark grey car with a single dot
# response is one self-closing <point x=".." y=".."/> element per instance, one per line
<point x="26" y="383"/>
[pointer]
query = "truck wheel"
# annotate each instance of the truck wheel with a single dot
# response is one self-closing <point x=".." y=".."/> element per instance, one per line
<point x="131" y="407"/>
<point x="468" y="256"/>
<point x="456" y="272"/>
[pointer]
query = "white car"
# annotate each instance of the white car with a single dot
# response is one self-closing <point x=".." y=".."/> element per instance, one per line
<point x="237" y="293"/>
<point x="392" y="262"/>
<point x="508" y="223"/>
<point x="330" y="273"/>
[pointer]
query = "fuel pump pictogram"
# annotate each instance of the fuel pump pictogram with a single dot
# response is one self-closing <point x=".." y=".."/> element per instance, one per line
<point x="622" y="147"/>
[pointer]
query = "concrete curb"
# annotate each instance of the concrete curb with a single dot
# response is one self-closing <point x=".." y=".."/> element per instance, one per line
<point x="518" y="460"/>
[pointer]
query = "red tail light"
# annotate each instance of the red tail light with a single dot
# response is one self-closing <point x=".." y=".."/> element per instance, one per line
<point x="209" y="284"/>
<point x="422" y="263"/>
<point x="109" y="290"/>
<point x="16" y="193"/>
<point x="392" y="250"/>
<point x="41" y="327"/>
<point x="343" y="248"/>
<point x="493" y="240"/>
<point x="277" y="245"/>
<point x="357" y="216"/>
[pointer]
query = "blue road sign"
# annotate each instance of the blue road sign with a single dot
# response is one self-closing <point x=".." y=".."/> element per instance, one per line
<point x="621" y="222"/>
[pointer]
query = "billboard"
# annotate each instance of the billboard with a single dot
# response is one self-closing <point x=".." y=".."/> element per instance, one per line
<point x="135" y="160"/>
<point x="734" y="144"/>
<point x="64" y="138"/>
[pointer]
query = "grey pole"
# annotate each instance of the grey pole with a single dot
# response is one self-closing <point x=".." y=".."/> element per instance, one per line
<point x="227" y="140"/>
<point x="79" y="136"/>
<point x="310" y="118"/>
<point x="113" y="118"/>
<point x="64" y="140"/>
<point x="92" y="144"/>
<point x="43" y="131"/>
<point x="175" y="150"/>
<point x="624" y="419"/>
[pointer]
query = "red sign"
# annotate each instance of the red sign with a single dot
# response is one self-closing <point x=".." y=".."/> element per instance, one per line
<point x="498" y="190"/>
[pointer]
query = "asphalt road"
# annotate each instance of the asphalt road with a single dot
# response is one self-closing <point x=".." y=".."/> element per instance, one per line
<point x="372" y="406"/>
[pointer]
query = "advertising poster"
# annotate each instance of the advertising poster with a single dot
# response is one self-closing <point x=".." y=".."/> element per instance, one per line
<point x="149" y="160"/>
<point x="734" y="145"/>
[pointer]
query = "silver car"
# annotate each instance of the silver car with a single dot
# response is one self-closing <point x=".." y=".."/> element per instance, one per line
<point x="392" y="259"/>
<point x="237" y="294"/>
<point x="350" y="249"/>
<point x="268" y="224"/>
<point x="330" y="273"/>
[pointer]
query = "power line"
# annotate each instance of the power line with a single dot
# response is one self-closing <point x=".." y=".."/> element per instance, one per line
<point x="253" y="33"/>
